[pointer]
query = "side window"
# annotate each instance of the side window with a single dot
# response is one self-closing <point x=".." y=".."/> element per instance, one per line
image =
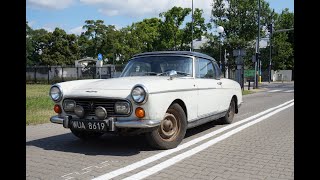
<point x="218" y="70"/>
<point x="205" y="69"/>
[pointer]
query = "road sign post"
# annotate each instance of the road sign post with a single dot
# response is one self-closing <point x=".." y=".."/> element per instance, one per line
<point x="100" y="64"/>
<point x="239" y="53"/>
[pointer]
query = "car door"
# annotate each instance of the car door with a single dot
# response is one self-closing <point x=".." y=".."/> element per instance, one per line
<point x="208" y="88"/>
<point x="224" y="91"/>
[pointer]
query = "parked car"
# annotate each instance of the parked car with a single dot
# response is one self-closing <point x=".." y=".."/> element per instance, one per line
<point x="159" y="94"/>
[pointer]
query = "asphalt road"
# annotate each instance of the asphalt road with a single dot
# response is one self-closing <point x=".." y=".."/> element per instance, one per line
<point x="254" y="146"/>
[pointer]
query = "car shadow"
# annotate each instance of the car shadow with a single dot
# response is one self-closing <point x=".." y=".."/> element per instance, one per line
<point x="202" y="128"/>
<point x="108" y="144"/>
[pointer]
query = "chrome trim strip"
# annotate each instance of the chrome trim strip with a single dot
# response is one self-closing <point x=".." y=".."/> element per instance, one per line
<point x="119" y="124"/>
<point x="56" y="119"/>
<point x="180" y="90"/>
<point x="137" y="124"/>
<point x="202" y="120"/>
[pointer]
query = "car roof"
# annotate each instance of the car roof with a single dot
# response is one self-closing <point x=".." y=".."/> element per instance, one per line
<point x="190" y="53"/>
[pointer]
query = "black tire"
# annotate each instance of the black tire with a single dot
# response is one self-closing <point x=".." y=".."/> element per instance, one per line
<point x="86" y="135"/>
<point x="228" y="118"/>
<point x="171" y="131"/>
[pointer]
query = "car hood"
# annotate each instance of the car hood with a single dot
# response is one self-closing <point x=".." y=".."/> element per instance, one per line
<point x="120" y="87"/>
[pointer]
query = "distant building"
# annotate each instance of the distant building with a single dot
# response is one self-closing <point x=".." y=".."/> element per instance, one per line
<point x="84" y="62"/>
<point x="198" y="43"/>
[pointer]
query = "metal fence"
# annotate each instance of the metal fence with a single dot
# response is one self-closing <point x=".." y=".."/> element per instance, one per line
<point x="55" y="74"/>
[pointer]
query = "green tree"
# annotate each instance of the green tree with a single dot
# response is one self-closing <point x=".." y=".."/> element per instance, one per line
<point x="283" y="42"/>
<point x="199" y="28"/>
<point x="29" y="45"/>
<point x="59" y="48"/>
<point x="170" y="32"/>
<point x="239" y="19"/>
<point x="95" y="33"/>
<point x="34" y="45"/>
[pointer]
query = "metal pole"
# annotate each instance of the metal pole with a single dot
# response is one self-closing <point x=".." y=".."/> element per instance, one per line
<point x="225" y="62"/>
<point x="62" y="73"/>
<point x="254" y="84"/>
<point x="35" y="74"/>
<point x="258" y="41"/>
<point x="269" y="76"/>
<point x="77" y="72"/>
<point x="192" y="28"/>
<point x="48" y="74"/>
<point x="220" y="51"/>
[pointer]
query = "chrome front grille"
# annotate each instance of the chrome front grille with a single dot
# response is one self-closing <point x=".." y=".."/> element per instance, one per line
<point x="89" y="105"/>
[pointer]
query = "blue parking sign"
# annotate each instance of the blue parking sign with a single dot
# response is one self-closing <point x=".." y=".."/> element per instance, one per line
<point x="99" y="56"/>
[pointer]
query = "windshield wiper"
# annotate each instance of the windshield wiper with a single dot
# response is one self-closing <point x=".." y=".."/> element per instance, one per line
<point x="150" y="73"/>
<point x="178" y="72"/>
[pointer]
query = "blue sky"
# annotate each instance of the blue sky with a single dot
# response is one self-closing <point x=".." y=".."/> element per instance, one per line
<point x="71" y="14"/>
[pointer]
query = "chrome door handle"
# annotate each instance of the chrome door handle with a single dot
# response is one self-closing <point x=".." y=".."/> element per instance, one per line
<point x="219" y="83"/>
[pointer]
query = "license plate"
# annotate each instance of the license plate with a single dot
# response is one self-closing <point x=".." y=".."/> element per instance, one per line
<point x="89" y="125"/>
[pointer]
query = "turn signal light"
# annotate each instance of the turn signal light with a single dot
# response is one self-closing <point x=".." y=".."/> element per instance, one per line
<point x="57" y="109"/>
<point x="140" y="112"/>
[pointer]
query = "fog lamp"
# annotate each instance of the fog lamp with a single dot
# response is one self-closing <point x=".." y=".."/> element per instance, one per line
<point x="101" y="113"/>
<point x="79" y="111"/>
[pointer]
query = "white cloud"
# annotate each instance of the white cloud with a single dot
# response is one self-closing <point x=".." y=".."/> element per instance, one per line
<point x="31" y="23"/>
<point x="49" y="4"/>
<point x="49" y="29"/>
<point x="77" y="30"/>
<point x="136" y="8"/>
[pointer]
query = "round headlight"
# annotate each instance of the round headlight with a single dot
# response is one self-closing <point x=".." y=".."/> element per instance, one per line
<point x="55" y="93"/>
<point x="139" y="94"/>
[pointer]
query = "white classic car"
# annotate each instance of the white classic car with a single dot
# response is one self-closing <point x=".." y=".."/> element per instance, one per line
<point x="159" y="94"/>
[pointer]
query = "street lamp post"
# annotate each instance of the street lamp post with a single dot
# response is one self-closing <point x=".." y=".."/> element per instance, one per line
<point x="220" y="30"/>
<point x="257" y="74"/>
<point x="191" y="49"/>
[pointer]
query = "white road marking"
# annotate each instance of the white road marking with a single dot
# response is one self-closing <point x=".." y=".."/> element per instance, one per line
<point x="289" y="91"/>
<point x="276" y="90"/>
<point x="85" y="170"/>
<point x="153" y="158"/>
<point x="180" y="157"/>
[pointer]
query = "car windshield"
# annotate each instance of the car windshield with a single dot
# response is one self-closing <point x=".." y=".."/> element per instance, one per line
<point x="159" y="66"/>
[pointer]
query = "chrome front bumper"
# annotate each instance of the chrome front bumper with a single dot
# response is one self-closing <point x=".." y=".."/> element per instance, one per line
<point x="112" y="122"/>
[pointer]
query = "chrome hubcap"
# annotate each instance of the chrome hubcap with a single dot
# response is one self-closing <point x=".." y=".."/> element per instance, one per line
<point x="169" y="127"/>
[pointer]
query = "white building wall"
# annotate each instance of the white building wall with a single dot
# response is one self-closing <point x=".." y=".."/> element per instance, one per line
<point x="282" y="75"/>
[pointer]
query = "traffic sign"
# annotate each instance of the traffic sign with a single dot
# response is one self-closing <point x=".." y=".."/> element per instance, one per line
<point x="248" y="73"/>
<point x="100" y="56"/>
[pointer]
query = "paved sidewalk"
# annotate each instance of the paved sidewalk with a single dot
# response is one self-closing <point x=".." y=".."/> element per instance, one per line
<point x="264" y="86"/>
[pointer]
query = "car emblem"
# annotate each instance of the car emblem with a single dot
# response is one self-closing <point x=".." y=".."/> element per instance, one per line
<point x="91" y="91"/>
<point x="91" y="104"/>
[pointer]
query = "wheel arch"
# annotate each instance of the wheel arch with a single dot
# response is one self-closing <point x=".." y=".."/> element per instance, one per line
<point x="234" y="97"/>
<point x="183" y="106"/>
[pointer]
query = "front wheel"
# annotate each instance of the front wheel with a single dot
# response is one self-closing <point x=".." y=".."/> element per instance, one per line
<point x="228" y="118"/>
<point x="86" y="135"/>
<point x="171" y="131"/>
